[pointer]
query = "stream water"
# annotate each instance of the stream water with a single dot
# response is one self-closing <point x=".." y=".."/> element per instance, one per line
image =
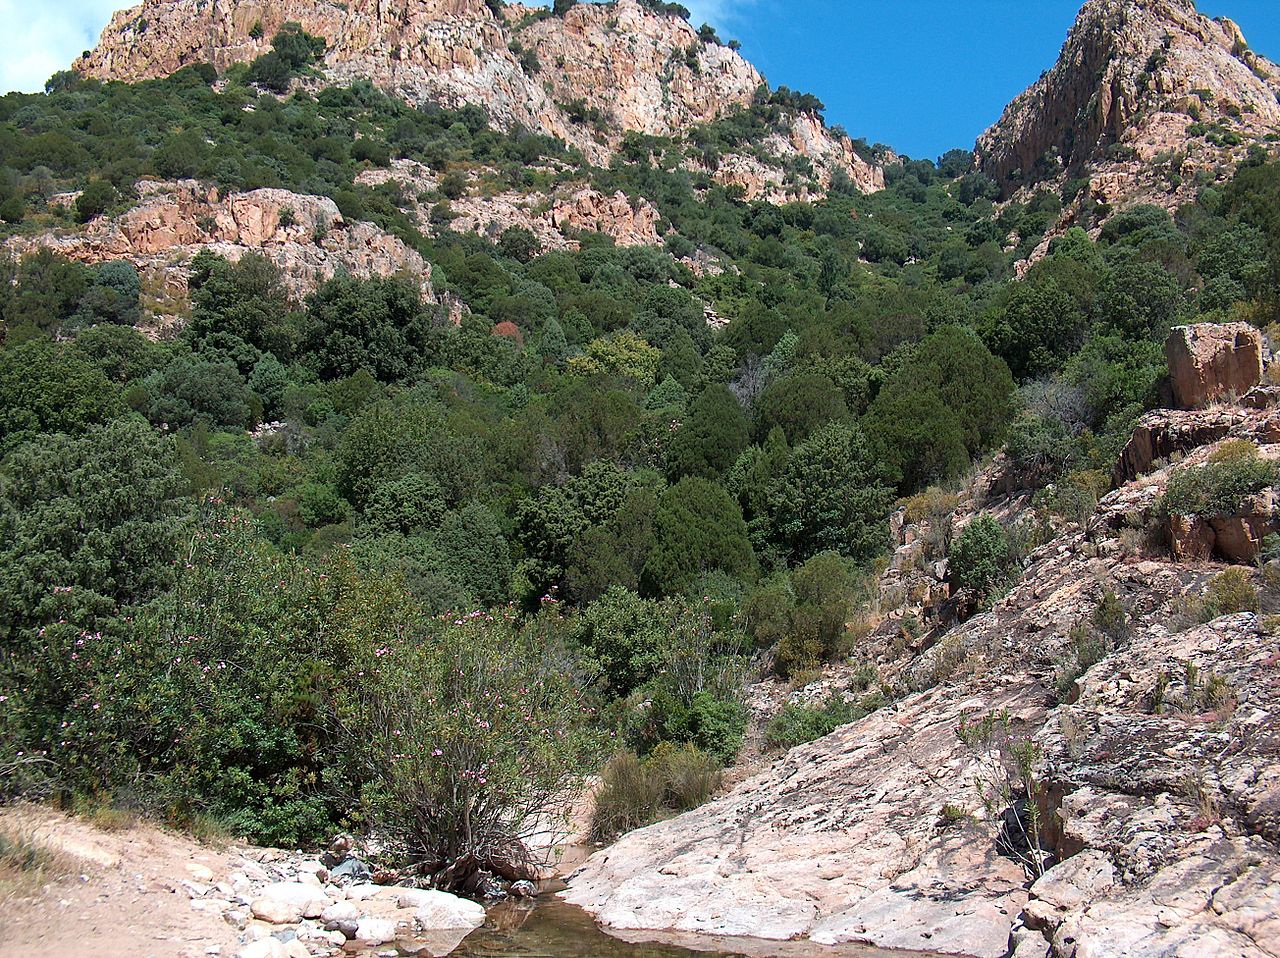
<point x="549" y="928"/>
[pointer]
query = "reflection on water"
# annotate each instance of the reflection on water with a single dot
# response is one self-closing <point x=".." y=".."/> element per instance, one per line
<point x="552" y="929"/>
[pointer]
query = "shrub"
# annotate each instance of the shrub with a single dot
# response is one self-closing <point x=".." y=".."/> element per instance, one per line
<point x="1086" y="650"/>
<point x="1110" y="617"/>
<point x="1219" y="487"/>
<point x="798" y="724"/>
<point x="628" y="799"/>
<point x="1076" y="495"/>
<point x="689" y="776"/>
<point x="98" y="197"/>
<point x="27" y="862"/>
<point x="1230" y="591"/>
<point x="981" y="560"/>
<point x="474" y="736"/>
<point x="935" y="507"/>
<point x="1006" y="775"/>
<point x="635" y="791"/>
<point x="716" y="725"/>
<point x="824" y="590"/>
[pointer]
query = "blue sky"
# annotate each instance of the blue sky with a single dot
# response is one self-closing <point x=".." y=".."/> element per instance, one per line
<point x="927" y="75"/>
<point x="920" y="75"/>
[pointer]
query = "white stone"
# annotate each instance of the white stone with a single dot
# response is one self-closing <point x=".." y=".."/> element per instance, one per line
<point x="275" y="911"/>
<point x="375" y="931"/>
<point x="217" y="905"/>
<point x="440" y="911"/>
<point x="310" y="900"/>
<point x="341" y="911"/>
<point x="313" y="867"/>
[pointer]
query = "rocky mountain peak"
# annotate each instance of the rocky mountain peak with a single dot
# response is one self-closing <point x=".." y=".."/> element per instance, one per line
<point x="588" y="76"/>
<point x="1145" y="96"/>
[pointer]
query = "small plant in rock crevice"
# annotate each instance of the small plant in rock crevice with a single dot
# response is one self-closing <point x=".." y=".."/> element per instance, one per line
<point x="1194" y="692"/>
<point x="1009" y="788"/>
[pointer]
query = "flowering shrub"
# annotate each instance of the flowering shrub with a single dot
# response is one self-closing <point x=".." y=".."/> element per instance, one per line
<point x="473" y="735"/>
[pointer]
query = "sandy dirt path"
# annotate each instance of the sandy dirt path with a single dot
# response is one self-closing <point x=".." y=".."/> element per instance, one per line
<point x="109" y="894"/>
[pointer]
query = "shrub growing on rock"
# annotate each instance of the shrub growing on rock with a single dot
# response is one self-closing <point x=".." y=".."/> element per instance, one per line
<point x="1232" y="474"/>
<point x="981" y="560"/>
<point x="798" y="724"/>
<point x="1229" y="591"/>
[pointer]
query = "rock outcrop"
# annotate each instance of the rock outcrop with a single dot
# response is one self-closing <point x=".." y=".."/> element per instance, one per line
<point x="623" y="65"/>
<point x="305" y="236"/>
<point x="1146" y="96"/>
<point x="1159" y="764"/>
<point x="1208" y="362"/>
<point x="768" y="173"/>
<point x="554" y="217"/>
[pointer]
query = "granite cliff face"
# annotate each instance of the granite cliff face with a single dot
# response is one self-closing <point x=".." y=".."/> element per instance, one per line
<point x="634" y="69"/>
<point x="1147" y="98"/>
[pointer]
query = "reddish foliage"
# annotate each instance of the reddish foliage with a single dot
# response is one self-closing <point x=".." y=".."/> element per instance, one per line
<point x="509" y="330"/>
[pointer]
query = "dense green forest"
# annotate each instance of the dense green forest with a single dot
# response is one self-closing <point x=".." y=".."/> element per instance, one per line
<point x="304" y="564"/>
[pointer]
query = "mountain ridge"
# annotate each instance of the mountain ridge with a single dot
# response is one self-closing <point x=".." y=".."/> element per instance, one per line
<point x="624" y="65"/>
<point x="1138" y="84"/>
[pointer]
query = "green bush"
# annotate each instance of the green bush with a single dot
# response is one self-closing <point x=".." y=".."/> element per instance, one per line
<point x="804" y="617"/>
<point x="635" y="792"/>
<point x="469" y="730"/>
<point x="798" y="724"/>
<point x="629" y="798"/>
<point x="1230" y="591"/>
<point x="1086" y="650"/>
<point x="1219" y="486"/>
<point x="98" y="197"/>
<point x="981" y="559"/>
<point x="689" y="775"/>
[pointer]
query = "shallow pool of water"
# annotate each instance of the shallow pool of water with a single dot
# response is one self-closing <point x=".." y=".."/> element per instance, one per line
<point x="549" y="928"/>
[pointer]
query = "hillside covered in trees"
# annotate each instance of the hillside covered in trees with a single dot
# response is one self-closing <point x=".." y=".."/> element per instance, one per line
<point x="362" y="552"/>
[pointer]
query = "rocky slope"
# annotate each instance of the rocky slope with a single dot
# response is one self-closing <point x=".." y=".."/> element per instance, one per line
<point x="1159" y="768"/>
<point x="637" y="70"/>
<point x="305" y="236"/>
<point x="555" y="217"/>
<point x="1147" y="99"/>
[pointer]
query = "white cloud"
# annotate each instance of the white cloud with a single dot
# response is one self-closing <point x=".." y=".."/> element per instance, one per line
<point x="39" y="38"/>
<point x="719" y="13"/>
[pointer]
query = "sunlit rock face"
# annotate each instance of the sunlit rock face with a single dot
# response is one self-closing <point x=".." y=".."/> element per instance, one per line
<point x="632" y="68"/>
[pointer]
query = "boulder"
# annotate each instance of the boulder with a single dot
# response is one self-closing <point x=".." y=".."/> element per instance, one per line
<point x="375" y="931"/>
<point x="1208" y="361"/>
<point x="275" y="912"/>
<point x="438" y="910"/>
<point x="1234" y="538"/>
<point x="279" y="901"/>
<point x="340" y="911"/>
<point x="1164" y="433"/>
